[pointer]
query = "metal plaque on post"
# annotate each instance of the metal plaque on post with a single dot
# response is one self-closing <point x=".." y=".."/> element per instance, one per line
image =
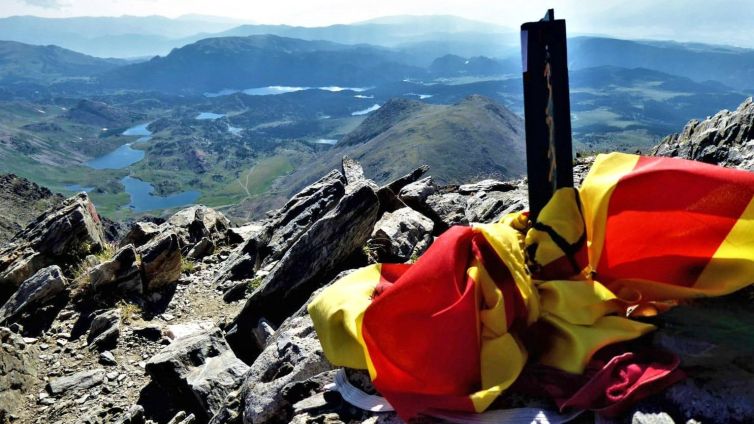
<point x="547" y="109"/>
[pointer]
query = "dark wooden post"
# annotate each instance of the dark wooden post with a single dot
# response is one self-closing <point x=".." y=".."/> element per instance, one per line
<point x="547" y="109"/>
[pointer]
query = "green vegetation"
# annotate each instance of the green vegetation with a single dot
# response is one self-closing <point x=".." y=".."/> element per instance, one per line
<point x="254" y="283"/>
<point x="187" y="266"/>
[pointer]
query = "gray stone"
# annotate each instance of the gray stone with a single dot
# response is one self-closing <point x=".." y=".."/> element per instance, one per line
<point x="62" y="236"/>
<point x="241" y="234"/>
<point x="182" y="418"/>
<point x="397" y="234"/>
<point x="202" y="248"/>
<point x="18" y="372"/>
<point x="447" y="209"/>
<point x="212" y="382"/>
<point x="490" y="206"/>
<point x="294" y="354"/>
<point x="354" y="174"/>
<point x="197" y="222"/>
<point x="121" y="274"/>
<point x="140" y="234"/>
<point x="487" y="185"/>
<point x="725" y="139"/>
<point x="75" y="382"/>
<point x="160" y="261"/>
<point x="317" y="253"/>
<point x="416" y="193"/>
<point x="107" y="358"/>
<point x="134" y="415"/>
<point x="40" y="289"/>
<point x="200" y="369"/>
<point x="104" y="330"/>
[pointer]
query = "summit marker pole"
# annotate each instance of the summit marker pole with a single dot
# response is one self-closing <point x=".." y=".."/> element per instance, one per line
<point x="547" y="109"/>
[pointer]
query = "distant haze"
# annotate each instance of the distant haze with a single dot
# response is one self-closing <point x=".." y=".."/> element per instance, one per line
<point x="705" y="21"/>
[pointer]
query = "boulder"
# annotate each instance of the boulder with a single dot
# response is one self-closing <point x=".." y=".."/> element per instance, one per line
<point x="447" y="209"/>
<point x="241" y="234"/>
<point x="18" y="373"/>
<point x="104" y="330"/>
<point x="486" y="206"/>
<point x="140" y="234"/>
<point x="416" y="193"/>
<point x="294" y="354"/>
<point x="75" y="382"/>
<point x="197" y="222"/>
<point x="301" y="212"/>
<point x="284" y="228"/>
<point x="120" y="274"/>
<point x="200" y="369"/>
<point x="63" y="235"/>
<point x="397" y="234"/>
<point x="354" y="174"/>
<point x="39" y="290"/>
<point x="316" y="255"/>
<point x="202" y="248"/>
<point x="160" y="261"/>
<point x="486" y="186"/>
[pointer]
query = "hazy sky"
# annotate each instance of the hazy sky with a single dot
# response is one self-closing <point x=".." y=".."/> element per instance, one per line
<point x="711" y="21"/>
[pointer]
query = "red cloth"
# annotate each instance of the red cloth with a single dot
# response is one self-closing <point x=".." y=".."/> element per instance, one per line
<point x="610" y="384"/>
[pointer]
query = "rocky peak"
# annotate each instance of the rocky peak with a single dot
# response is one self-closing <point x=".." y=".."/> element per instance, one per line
<point x="727" y="139"/>
<point x="20" y="202"/>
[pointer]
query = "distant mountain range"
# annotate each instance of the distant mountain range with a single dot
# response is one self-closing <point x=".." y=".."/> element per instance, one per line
<point x="26" y="63"/>
<point x="214" y="64"/>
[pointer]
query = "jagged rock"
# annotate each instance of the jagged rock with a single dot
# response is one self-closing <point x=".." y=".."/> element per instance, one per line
<point x="725" y="139"/>
<point x="62" y="236"/>
<point x="301" y="212"/>
<point x="38" y="290"/>
<point x="397" y="234"/>
<point x="487" y="206"/>
<point x="160" y="261"/>
<point x="241" y="234"/>
<point x="140" y="234"/>
<point x="135" y="415"/>
<point x="416" y="193"/>
<point x="293" y="354"/>
<point x="485" y="186"/>
<point x="397" y="185"/>
<point x="354" y="174"/>
<point x="104" y="330"/>
<point x="315" y="255"/>
<point x="107" y="358"/>
<point x="263" y="332"/>
<point x="20" y="202"/>
<point x="18" y="372"/>
<point x="231" y="411"/>
<point x="215" y="379"/>
<point x="79" y="381"/>
<point x="447" y="209"/>
<point x="149" y="332"/>
<point x="201" y="249"/>
<point x="200" y="369"/>
<point x="197" y="222"/>
<point x="285" y="227"/>
<point x="120" y="274"/>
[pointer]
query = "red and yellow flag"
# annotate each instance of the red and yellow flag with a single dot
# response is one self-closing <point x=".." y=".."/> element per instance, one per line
<point x="455" y="329"/>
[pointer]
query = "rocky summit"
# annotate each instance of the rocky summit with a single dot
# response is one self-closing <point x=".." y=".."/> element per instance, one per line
<point x="193" y="319"/>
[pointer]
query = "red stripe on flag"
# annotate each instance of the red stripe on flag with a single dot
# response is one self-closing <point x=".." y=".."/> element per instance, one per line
<point x="667" y="217"/>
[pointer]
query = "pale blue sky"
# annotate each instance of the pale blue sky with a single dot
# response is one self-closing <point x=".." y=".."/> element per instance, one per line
<point x="710" y="21"/>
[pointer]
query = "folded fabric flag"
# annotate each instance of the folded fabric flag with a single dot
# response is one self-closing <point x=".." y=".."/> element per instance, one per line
<point x="454" y="330"/>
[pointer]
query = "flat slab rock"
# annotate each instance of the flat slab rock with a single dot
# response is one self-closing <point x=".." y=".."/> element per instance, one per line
<point x="79" y="381"/>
